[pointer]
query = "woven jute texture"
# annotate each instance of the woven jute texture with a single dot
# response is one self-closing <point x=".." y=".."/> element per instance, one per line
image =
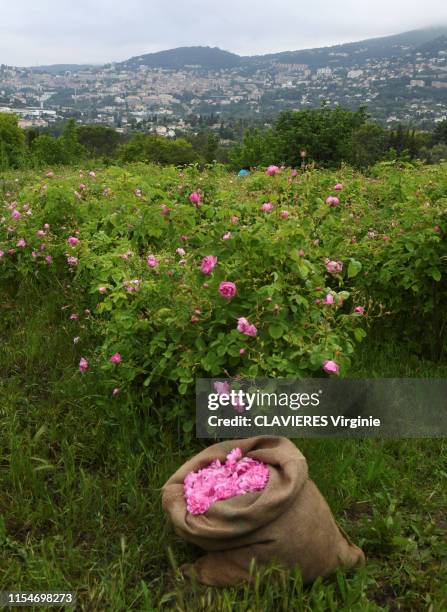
<point x="289" y="521"/>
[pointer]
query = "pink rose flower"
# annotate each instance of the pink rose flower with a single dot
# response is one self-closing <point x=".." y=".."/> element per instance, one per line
<point x="284" y="214"/>
<point x="152" y="261"/>
<point x="21" y="242"/>
<point x="72" y="261"/>
<point x="334" y="267"/>
<point x="48" y="259"/>
<point x="359" y="309"/>
<point x="245" y="327"/>
<point x="83" y="365"/>
<point x="116" y="392"/>
<point x="332" y="201"/>
<point x="226" y="236"/>
<point x="227" y="290"/>
<point x="331" y="367"/>
<point x="165" y="210"/>
<point x="266" y="206"/>
<point x="102" y="290"/>
<point x="15" y="215"/>
<point x="208" y="264"/>
<point x="222" y="480"/>
<point x="132" y="286"/>
<point x="195" y="197"/>
<point x="116" y="358"/>
<point x="234" y="219"/>
<point x="222" y="388"/>
<point x="338" y="187"/>
<point x="180" y="251"/>
<point x="72" y="241"/>
<point x="272" y="170"/>
<point x="329" y="299"/>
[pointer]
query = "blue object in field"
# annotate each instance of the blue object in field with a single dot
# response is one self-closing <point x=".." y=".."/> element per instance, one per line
<point x="243" y="172"/>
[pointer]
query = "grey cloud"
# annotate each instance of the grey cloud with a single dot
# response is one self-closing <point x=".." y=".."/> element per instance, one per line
<point x="111" y="30"/>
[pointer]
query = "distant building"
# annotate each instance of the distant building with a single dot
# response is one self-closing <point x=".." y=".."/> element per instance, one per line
<point x="355" y="74"/>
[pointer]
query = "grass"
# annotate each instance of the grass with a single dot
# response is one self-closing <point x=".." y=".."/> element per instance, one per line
<point x="80" y="492"/>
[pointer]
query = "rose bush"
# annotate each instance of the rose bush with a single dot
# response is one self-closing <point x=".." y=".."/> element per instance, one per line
<point x="165" y="285"/>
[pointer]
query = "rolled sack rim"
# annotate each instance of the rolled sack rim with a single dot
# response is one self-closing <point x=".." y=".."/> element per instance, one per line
<point x="243" y="514"/>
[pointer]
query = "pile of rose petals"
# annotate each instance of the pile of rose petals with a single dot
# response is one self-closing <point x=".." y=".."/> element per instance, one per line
<point x="221" y="481"/>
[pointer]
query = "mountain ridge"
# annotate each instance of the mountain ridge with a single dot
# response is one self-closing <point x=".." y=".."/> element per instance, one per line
<point x="215" y="58"/>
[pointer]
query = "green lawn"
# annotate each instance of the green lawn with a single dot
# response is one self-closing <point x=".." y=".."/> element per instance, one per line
<point x="80" y="492"/>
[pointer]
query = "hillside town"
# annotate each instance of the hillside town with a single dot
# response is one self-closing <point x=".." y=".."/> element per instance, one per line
<point x="410" y="88"/>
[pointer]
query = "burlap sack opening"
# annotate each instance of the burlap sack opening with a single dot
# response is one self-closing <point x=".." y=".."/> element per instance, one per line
<point x="288" y="522"/>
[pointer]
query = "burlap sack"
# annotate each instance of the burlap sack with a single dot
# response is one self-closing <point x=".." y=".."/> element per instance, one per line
<point x="289" y="521"/>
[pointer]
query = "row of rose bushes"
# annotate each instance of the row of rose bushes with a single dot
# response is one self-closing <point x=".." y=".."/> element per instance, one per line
<point x="182" y="274"/>
<point x="398" y="231"/>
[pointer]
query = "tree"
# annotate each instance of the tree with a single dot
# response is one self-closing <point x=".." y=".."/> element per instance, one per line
<point x="47" y="150"/>
<point x="159" y="150"/>
<point x="30" y="135"/>
<point x="434" y="155"/>
<point x="368" y="145"/>
<point x="206" y="143"/>
<point x="212" y="144"/>
<point x="255" y="149"/>
<point x="99" y="140"/>
<point x="73" y="151"/>
<point x="324" y="133"/>
<point x="12" y="142"/>
<point x="440" y="133"/>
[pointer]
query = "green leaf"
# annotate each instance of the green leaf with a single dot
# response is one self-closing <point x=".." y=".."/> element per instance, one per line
<point x="359" y="334"/>
<point x="276" y="331"/>
<point x="303" y="269"/>
<point x="187" y="426"/>
<point x="435" y="274"/>
<point x="354" y="268"/>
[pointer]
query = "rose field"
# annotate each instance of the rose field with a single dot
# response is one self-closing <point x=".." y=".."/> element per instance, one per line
<point x="123" y="285"/>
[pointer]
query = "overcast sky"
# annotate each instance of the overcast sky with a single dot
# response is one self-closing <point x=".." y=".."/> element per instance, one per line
<point x="78" y="31"/>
